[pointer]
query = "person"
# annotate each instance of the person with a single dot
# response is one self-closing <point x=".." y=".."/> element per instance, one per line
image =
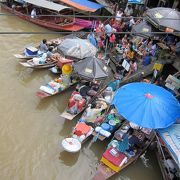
<point x="33" y="13"/>
<point x="108" y="30"/>
<point x="92" y="39"/>
<point x="133" y="68"/>
<point x="101" y="43"/>
<point x="43" y="46"/>
<point x="112" y="40"/>
<point x="169" y="40"/>
<point x="130" y="53"/>
<point x="131" y="23"/>
<point x="146" y="59"/>
<point x="119" y="15"/>
<point x="51" y="56"/>
<point x="128" y="11"/>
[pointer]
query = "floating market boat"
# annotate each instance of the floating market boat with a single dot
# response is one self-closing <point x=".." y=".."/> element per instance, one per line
<point x="80" y="99"/>
<point x="119" y="153"/>
<point x="31" y="64"/>
<point x="50" y="20"/>
<point x="93" y="116"/>
<point x="112" y="122"/>
<point x="56" y="86"/>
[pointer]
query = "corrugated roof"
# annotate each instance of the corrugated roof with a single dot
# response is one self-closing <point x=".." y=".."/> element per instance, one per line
<point x="47" y="4"/>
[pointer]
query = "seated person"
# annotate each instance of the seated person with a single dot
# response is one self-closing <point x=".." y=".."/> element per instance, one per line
<point x="133" y="68"/>
<point x="51" y="56"/>
<point x="130" y="53"/>
<point x="146" y="59"/>
<point x="43" y="46"/>
<point x="137" y="138"/>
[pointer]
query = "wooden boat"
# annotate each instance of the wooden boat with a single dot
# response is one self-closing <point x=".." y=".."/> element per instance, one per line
<point x="114" y="120"/>
<point x="56" y="86"/>
<point x="93" y="116"/>
<point x="119" y="156"/>
<point x="49" y="8"/>
<point x="167" y="152"/>
<point x="52" y="42"/>
<point x="86" y="100"/>
<point x="31" y="64"/>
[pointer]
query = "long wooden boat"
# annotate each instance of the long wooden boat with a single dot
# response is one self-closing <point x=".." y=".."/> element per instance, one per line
<point x="31" y="64"/>
<point x="167" y="152"/>
<point x="50" y="22"/>
<point x="93" y="116"/>
<point x="56" y="86"/>
<point x="119" y="156"/>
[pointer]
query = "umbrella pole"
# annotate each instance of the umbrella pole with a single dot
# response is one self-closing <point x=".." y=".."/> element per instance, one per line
<point x="105" y="50"/>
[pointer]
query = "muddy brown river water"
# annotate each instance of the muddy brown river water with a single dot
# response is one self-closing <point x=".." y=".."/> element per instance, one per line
<point x="31" y="129"/>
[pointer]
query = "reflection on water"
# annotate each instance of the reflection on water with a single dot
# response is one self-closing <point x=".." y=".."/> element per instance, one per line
<point x="31" y="129"/>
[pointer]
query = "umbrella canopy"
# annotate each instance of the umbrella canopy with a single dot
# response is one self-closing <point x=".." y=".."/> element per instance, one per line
<point x="144" y="29"/>
<point x="91" y="68"/>
<point x="165" y="19"/>
<point x="77" y="48"/>
<point x="147" y="105"/>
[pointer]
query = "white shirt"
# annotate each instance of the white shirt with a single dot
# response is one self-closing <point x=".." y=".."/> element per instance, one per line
<point x="33" y="13"/>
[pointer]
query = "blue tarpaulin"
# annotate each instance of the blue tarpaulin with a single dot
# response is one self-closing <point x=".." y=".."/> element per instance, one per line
<point x="84" y="5"/>
<point x="136" y="1"/>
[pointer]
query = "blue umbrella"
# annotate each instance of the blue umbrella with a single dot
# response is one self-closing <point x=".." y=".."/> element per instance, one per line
<point x="147" y="105"/>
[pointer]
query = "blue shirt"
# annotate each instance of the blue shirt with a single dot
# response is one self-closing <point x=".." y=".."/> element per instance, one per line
<point x="146" y="60"/>
<point x="108" y="29"/>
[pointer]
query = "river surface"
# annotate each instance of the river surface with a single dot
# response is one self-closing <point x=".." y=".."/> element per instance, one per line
<point x="31" y="129"/>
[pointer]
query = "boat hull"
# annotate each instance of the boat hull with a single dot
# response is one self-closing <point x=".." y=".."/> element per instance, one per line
<point x="44" y="23"/>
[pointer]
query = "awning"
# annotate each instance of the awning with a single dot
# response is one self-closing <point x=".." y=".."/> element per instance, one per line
<point x="84" y="5"/>
<point x="135" y="1"/>
<point x="47" y="4"/>
<point x="171" y="137"/>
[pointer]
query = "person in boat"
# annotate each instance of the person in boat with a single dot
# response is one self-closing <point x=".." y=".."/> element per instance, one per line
<point x="43" y="48"/>
<point x="52" y="56"/>
<point x="33" y="13"/>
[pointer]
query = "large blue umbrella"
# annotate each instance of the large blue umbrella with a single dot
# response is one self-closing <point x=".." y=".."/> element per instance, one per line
<point x="147" y="105"/>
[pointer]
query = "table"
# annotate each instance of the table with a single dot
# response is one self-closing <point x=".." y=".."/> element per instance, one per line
<point x="163" y="46"/>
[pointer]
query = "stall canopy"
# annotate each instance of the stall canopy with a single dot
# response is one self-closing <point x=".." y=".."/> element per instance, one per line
<point x="165" y="19"/>
<point x="91" y="68"/>
<point x="147" y="105"/>
<point x="171" y="137"/>
<point x="77" y="48"/>
<point x="144" y="29"/>
<point x="135" y="1"/>
<point x="84" y="5"/>
<point x="47" y="5"/>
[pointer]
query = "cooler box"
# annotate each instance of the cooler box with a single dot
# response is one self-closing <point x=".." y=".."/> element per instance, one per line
<point x="31" y="51"/>
<point x="64" y="61"/>
<point x="113" y="162"/>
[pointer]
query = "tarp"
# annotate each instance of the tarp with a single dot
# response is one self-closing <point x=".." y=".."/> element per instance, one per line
<point x="77" y="48"/>
<point x="135" y="1"/>
<point x="171" y="137"/>
<point x="84" y="5"/>
<point x="47" y="4"/>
